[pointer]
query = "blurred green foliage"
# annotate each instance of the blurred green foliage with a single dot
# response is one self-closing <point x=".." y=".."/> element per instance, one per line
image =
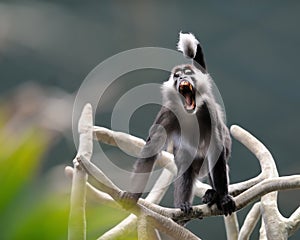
<point x="30" y="210"/>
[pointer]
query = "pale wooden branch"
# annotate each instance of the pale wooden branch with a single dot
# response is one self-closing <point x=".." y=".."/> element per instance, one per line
<point x="232" y="226"/>
<point x="262" y="231"/>
<point x="267" y="186"/>
<point x="129" y="223"/>
<point x="293" y="222"/>
<point x="155" y="196"/>
<point x="199" y="211"/>
<point x="145" y="230"/>
<point x="237" y="188"/>
<point x="160" y="222"/>
<point x="275" y="225"/>
<point x="132" y="145"/>
<point x="200" y="188"/>
<point x="263" y="155"/>
<point x="77" y="219"/>
<point x="122" y="229"/>
<point x="93" y="193"/>
<point x="153" y="216"/>
<point x="250" y="222"/>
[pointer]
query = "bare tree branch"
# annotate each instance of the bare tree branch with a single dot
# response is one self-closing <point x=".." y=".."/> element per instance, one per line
<point x="161" y="222"/>
<point x="77" y="221"/>
<point x="232" y="226"/>
<point x="262" y="231"/>
<point x="293" y="223"/>
<point x="199" y="211"/>
<point x="237" y="188"/>
<point x="267" y="186"/>
<point x="132" y="145"/>
<point x="152" y="216"/>
<point x="128" y="224"/>
<point x="145" y="230"/>
<point x="250" y="222"/>
<point x="122" y="229"/>
<point x="93" y="193"/>
<point x="276" y="226"/>
<point x="155" y="196"/>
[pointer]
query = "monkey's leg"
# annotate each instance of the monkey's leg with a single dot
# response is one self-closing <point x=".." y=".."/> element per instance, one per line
<point x="211" y="196"/>
<point x="139" y="179"/>
<point x="183" y="190"/>
<point x="144" y="164"/>
<point x="220" y="184"/>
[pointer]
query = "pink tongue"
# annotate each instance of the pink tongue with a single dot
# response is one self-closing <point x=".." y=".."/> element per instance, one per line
<point x="188" y="100"/>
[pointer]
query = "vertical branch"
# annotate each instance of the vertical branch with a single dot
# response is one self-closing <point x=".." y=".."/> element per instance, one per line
<point x="293" y="222"/>
<point x="275" y="229"/>
<point x="77" y="219"/>
<point x="262" y="231"/>
<point x="145" y="230"/>
<point x="231" y="226"/>
<point x="250" y="222"/>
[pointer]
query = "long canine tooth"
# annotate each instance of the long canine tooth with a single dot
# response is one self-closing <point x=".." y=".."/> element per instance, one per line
<point x="191" y="87"/>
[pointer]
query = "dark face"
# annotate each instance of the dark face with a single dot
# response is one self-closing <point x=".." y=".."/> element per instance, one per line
<point x="184" y="84"/>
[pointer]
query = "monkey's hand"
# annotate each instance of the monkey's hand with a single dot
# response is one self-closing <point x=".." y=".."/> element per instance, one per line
<point x="224" y="203"/>
<point x="128" y="199"/>
<point x="210" y="197"/>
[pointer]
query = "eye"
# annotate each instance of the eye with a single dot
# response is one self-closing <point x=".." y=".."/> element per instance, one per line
<point x="177" y="74"/>
<point x="188" y="71"/>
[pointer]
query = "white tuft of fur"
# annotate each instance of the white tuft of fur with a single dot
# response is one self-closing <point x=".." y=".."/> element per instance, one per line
<point x="187" y="44"/>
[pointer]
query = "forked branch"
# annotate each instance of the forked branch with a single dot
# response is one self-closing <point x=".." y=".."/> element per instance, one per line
<point x="153" y="217"/>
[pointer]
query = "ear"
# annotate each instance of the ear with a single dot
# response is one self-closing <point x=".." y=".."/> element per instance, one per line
<point x="191" y="48"/>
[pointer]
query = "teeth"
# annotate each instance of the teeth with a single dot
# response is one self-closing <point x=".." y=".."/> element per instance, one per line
<point x="186" y="83"/>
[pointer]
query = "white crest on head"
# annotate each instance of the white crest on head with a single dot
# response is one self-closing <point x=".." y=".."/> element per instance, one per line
<point x="187" y="44"/>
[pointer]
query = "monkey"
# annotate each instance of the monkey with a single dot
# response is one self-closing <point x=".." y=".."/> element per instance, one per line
<point x="193" y="121"/>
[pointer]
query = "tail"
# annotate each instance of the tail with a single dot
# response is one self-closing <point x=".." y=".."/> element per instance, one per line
<point x="191" y="48"/>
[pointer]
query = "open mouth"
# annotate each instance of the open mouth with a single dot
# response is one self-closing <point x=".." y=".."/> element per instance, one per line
<point x="187" y="91"/>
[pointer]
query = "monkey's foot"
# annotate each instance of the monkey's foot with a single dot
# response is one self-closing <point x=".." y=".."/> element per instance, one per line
<point x="186" y="207"/>
<point x="227" y="205"/>
<point x="128" y="199"/>
<point x="224" y="203"/>
<point x="210" y="197"/>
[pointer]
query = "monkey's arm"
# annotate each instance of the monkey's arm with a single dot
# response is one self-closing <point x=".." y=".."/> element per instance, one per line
<point x="219" y="152"/>
<point x="163" y="125"/>
<point x="218" y="176"/>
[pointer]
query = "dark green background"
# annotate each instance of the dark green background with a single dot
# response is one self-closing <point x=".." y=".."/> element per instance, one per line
<point x="251" y="48"/>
